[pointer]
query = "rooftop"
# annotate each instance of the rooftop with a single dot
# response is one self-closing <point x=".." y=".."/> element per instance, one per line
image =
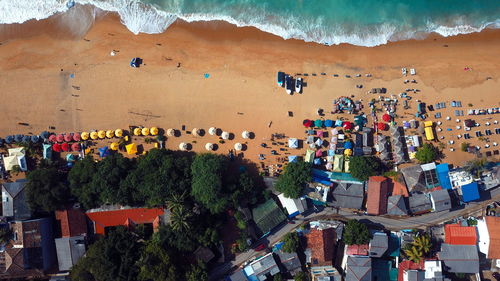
<point x="460" y="235"/>
<point x="322" y="245"/>
<point x="441" y="200"/>
<point x="72" y="222"/>
<point x="460" y="258"/>
<point x="396" y="206"/>
<point x="378" y="244"/>
<point x="267" y="216"/>
<point x="348" y="195"/>
<point x="358" y="269"/>
<point x="470" y="192"/>
<point x="419" y="203"/>
<point x="69" y="251"/>
<point x="378" y="188"/>
<point x="124" y="217"/>
<point x="357" y="250"/>
<point x="493" y="224"/>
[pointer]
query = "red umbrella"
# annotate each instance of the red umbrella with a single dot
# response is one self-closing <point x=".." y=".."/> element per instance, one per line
<point x="347" y="125"/>
<point x="75" y="147"/>
<point x="308" y="123"/>
<point x="76" y="137"/>
<point x="65" y="146"/>
<point x="319" y="153"/>
<point x="56" y="147"/>
<point x="68" y="137"/>
<point x="386" y="117"/>
<point x="59" y="138"/>
<point x="52" y="138"/>
<point x="381" y="126"/>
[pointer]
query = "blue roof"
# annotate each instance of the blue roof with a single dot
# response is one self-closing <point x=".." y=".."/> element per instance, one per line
<point x="335" y="176"/>
<point x="442" y="171"/>
<point x="470" y="192"/>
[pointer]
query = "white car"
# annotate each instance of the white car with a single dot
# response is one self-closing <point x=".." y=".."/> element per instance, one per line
<point x="298" y="85"/>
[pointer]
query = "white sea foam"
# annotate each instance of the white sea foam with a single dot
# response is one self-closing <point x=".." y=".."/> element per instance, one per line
<point x="143" y="18"/>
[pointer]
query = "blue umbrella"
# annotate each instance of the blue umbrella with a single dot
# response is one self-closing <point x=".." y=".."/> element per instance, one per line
<point x="44" y="135"/>
<point x="35" y="138"/>
<point x="328" y="123"/>
<point x="317" y="161"/>
<point x="292" y="158"/>
<point x="9" y="139"/>
<point x="26" y="138"/>
<point x="338" y="123"/>
<point x="348" y="145"/>
<point x="103" y="151"/>
<point x="18" y="138"/>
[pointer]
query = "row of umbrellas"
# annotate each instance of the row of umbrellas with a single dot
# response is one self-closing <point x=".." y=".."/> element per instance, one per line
<point x="211" y="131"/>
<point x="146" y="131"/>
<point x="209" y="146"/>
<point x="327" y="123"/>
<point x="66" y="147"/>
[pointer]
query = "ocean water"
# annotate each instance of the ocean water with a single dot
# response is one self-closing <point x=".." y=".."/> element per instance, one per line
<point x="357" y="22"/>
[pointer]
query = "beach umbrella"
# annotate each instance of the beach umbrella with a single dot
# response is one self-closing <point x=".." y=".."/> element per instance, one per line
<point x="70" y="157"/>
<point x="65" y="146"/>
<point x="110" y="134"/>
<point x="59" y="138"/>
<point x="209" y="146"/>
<point x="329" y="123"/>
<point x="335" y="132"/>
<point x="26" y="138"/>
<point x="347" y="125"/>
<point x="131" y="148"/>
<point x="137" y="131"/>
<point x="85" y="135"/>
<point x="153" y="131"/>
<point x="44" y="135"/>
<point x="76" y="137"/>
<point x="119" y="133"/>
<point x="101" y="134"/>
<point x="348" y="145"/>
<point x="319" y="134"/>
<point x="103" y="151"/>
<point x="225" y="135"/>
<point x="18" y="138"/>
<point x="145" y="131"/>
<point x="319" y="142"/>
<point x="195" y="132"/>
<point x="9" y="139"/>
<point x="307" y="123"/>
<point x="94" y="135"/>
<point x="319" y="153"/>
<point x="318" y="123"/>
<point x="113" y="146"/>
<point x="348" y="152"/>
<point x="56" y="147"/>
<point x="75" y="147"/>
<point x="245" y="134"/>
<point x="182" y="146"/>
<point x="386" y="117"/>
<point x="238" y="146"/>
<point x="212" y="131"/>
<point x="381" y="126"/>
<point x="170" y="132"/>
<point x="68" y="137"/>
<point x="35" y="138"/>
<point x="317" y="161"/>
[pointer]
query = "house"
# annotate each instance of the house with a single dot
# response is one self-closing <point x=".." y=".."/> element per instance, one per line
<point x="413" y="275"/>
<point x="440" y="200"/>
<point x="419" y="203"/>
<point x="320" y="252"/>
<point x="71" y="221"/>
<point x="443" y="171"/>
<point x="14" y="203"/>
<point x="348" y="195"/>
<point x="430" y="175"/>
<point x="267" y="216"/>
<point x="460" y="177"/>
<point x="455" y="234"/>
<point x="358" y="268"/>
<point x="33" y="250"/>
<point x="414" y="178"/>
<point x="238" y="275"/>
<point x="396" y="206"/>
<point x="289" y="261"/>
<point x="293" y="206"/>
<point x="492" y="237"/>
<point x="376" y="202"/>
<point x="409" y="266"/>
<point x="399" y="186"/>
<point x="69" y="251"/>
<point x="459" y="258"/>
<point x="378" y="245"/>
<point x="470" y="192"/>
<point x="103" y="220"/>
<point x="262" y="268"/>
<point x="358" y="250"/>
<point x="434" y="271"/>
<point x="491" y="178"/>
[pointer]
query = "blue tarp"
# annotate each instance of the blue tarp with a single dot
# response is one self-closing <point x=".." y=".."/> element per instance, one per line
<point x="293" y="158"/>
<point x="442" y="171"/>
<point x="470" y="192"/>
<point x="335" y="176"/>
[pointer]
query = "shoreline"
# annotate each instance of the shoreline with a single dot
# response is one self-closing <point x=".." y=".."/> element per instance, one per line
<point x="242" y="63"/>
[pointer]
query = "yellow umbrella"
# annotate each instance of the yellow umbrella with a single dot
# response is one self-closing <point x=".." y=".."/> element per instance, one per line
<point x="131" y="148"/>
<point x="110" y="134"/>
<point x="119" y="133"/>
<point x="94" y="135"/>
<point x="145" y="131"/>
<point x="85" y="135"/>
<point x="101" y="134"/>
<point x="113" y="146"/>
<point x="153" y="131"/>
<point x="137" y="131"/>
<point x="348" y="152"/>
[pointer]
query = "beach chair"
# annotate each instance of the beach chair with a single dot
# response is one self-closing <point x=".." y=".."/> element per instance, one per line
<point x="437" y="115"/>
<point x="497" y="131"/>
<point x="412" y="71"/>
<point x="453" y="103"/>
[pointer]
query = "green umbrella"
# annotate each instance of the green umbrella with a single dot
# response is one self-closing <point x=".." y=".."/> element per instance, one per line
<point x="318" y="123"/>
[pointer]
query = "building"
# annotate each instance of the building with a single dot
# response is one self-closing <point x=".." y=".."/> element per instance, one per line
<point x="443" y="171"/>
<point x="320" y="252"/>
<point x="470" y="192"/>
<point x="378" y="245"/>
<point x="399" y="186"/>
<point x="104" y="220"/>
<point x="455" y="234"/>
<point x="440" y="200"/>
<point x="434" y="271"/>
<point x="348" y="195"/>
<point x="491" y="179"/>
<point x="69" y="251"/>
<point x="289" y="261"/>
<point x="408" y="266"/>
<point x="293" y="206"/>
<point x="14" y="203"/>
<point x="492" y="238"/>
<point x="419" y="203"/>
<point x="358" y="250"/>
<point x="71" y="221"/>
<point x="396" y="206"/>
<point x="430" y="175"/>
<point x="459" y="258"/>
<point x="358" y="268"/>
<point x="414" y="178"/>
<point x="238" y="275"/>
<point x="262" y="268"/>
<point x="459" y="177"/>
<point x="378" y="189"/>
<point x="267" y="216"/>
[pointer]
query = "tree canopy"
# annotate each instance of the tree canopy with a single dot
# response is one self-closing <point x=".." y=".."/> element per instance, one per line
<point x="300" y="276"/>
<point x="206" y="186"/>
<point x="156" y="263"/>
<point x="291" y="242"/>
<point x="427" y="153"/>
<point x="197" y="272"/>
<point x="362" y="167"/>
<point x="46" y="190"/>
<point x="418" y="249"/>
<point x="295" y="176"/>
<point x="80" y="183"/>
<point x="356" y="233"/>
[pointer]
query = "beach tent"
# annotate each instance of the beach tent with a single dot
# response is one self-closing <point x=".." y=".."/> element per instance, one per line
<point x="347" y="125"/>
<point x="329" y="166"/>
<point x="318" y="123"/>
<point x="225" y="135"/>
<point x="131" y="148"/>
<point x="328" y="123"/>
<point x="317" y="161"/>
<point x="35" y="139"/>
<point x="195" y="132"/>
<point x="154" y="131"/>
<point x="9" y="139"/>
<point x="335" y="132"/>
<point x="309" y="156"/>
<point x="319" y="142"/>
<point x="68" y="137"/>
<point x="56" y="147"/>
<point x="101" y="134"/>
<point x="381" y="126"/>
<point x="170" y="132"/>
<point x="47" y="151"/>
<point x="307" y="123"/>
<point x="85" y="135"/>
<point x="212" y="131"/>
<point x="18" y="151"/>
<point x="209" y="146"/>
<point x="182" y="146"/>
<point x="338" y="123"/>
<point x="119" y="133"/>
<point x="94" y="135"/>
<point x="329" y="158"/>
<point x="238" y="146"/>
<point x="245" y="134"/>
<point x="348" y="145"/>
<point x="293" y="158"/>
<point x="59" y="138"/>
<point x="386" y="117"/>
<point x="137" y="131"/>
<point x="114" y="146"/>
<point x="76" y="137"/>
<point x="145" y="131"/>
<point x="103" y="151"/>
<point x="346" y="165"/>
<point x="44" y="135"/>
<point x="9" y="162"/>
<point x="75" y="147"/>
<point x="338" y="163"/>
<point x="293" y="143"/>
<point x="319" y="133"/>
<point x="65" y="146"/>
<point x="319" y="153"/>
<point x="110" y="134"/>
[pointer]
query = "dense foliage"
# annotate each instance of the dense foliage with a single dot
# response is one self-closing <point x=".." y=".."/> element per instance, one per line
<point x="362" y="167"/>
<point x="418" y="249"/>
<point x="356" y="233"/>
<point x="295" y="176"/>
<point x="427" y="153"/>
<point x="46" y="190"/>
<point x="291" y="242"/>
<point x="300" y="276"/>
<point x="207" y="187"/>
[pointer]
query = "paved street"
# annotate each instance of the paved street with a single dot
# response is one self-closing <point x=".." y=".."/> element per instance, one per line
<point x="421" y="221"/>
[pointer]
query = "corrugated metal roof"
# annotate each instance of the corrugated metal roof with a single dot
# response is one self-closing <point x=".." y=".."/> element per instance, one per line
<point x="470" y="192"/>
<point x="460" y="235"/>
<point x="121" y="217"/>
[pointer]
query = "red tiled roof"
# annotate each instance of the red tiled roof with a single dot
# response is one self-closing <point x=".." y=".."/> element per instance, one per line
<point x="376" y="202"/>
<point x="72" y="222"/>
<point x="399" y="188"/>
<point x="125" y="217"/>
<point x="460" y="235"/>
<point x="358" y="250"/>
<point x="408" y="265"/>
<point x="321" y="243"/>
<point x="493" y="224"/>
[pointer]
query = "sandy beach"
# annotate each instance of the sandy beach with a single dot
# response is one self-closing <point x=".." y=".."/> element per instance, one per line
<point x="170" y="90"/>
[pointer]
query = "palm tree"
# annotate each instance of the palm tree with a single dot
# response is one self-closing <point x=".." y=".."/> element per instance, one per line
<point x="476" y="166"/>
<point x="414" y="254"/>
<point x="423" y="244"/>
<point x="180" y="220"/>
<point x="176" y="201"/>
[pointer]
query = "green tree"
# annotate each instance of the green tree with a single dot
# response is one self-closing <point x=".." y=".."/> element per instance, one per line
<point x="180" y="219"/>
<point x="197" y="272"/>
<point x="80" y="179"/>
<point x="109" y="177"/>
<point x="46" y="190"/>
<point x="427" y="153"/>
<point x="362" y="167"/>
<point x="418" y="249"/>
<point x="295" y="176"/>
<point x="300" y="276"/>
<point x="476" y="166"/>
<point x="206" y="187"/>
<point x="291" y="242"/>
<point x="156" y="264"/>
<point x="464" y="146"/>
<point x="278" y="277"/>
<point x="356" y="233"/>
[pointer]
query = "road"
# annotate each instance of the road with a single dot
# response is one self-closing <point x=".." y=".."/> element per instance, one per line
<point x="421" y="221"/>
